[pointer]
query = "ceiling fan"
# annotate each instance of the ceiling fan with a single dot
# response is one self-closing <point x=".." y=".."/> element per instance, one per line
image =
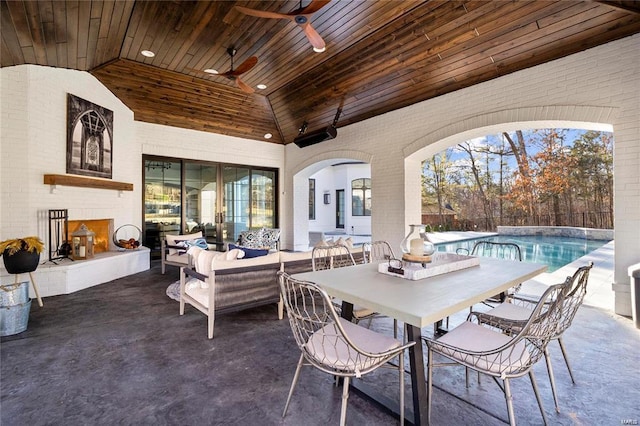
<point x="234" y="75"/>
<point x="300" y="16"/>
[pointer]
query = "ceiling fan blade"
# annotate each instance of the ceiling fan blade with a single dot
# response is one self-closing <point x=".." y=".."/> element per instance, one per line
<point x="263" y="13"/>
<point x="244" y="86"/>
<point x="314" y="38"/>
<point x="312" y="7"/>
<point x="245" y="66"/>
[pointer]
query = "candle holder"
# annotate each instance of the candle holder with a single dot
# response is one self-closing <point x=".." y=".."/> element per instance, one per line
<point x="82" y="243"/>
<point x="416" y="246"/>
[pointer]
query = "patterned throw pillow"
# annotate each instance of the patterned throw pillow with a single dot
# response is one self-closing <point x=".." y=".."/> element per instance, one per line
<point x="198" y="242"/>
<point x="263" y="238"/>
<point x="270" y="237"/>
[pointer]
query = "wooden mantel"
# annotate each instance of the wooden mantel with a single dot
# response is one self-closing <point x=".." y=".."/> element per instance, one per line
<point x="87" y="182"/>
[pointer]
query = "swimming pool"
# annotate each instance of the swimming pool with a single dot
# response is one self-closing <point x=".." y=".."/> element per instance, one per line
<point x="555" y="252"/>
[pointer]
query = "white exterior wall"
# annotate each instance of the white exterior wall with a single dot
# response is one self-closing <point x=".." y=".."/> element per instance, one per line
<point x="330" y="179"/>
<point x="597" y="88"/>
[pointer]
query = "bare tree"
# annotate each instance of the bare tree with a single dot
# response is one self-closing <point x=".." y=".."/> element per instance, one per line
<point x="486" y="204"/>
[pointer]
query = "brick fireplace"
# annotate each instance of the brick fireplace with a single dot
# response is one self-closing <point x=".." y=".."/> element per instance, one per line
<point x="64" y="275"/>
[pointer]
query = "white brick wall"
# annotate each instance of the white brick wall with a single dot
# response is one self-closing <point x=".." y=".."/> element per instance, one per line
<point x="598" y="87"/>
<point x="33" y="143"/>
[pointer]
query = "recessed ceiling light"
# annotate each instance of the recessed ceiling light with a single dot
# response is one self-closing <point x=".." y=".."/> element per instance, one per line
<point x="261" y="86"/>
<point x="211" y="71"/>
<point x="148" y="53"/>
<point x="315" y="49"/>
<point x="268" y="135"/>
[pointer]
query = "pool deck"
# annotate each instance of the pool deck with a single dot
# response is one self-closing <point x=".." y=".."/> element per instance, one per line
<point x="600" y="293"/>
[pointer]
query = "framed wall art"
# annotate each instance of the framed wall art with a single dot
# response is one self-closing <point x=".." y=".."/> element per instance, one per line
<point x="89" y="138"/>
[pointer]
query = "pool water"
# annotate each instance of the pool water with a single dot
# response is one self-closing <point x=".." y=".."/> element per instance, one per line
<point x="555" y="252"/>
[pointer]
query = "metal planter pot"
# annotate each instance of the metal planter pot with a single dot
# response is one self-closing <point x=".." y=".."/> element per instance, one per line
<point x="14" y="308"/>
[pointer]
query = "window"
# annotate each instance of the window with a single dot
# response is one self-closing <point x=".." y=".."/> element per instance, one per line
<point x="361" y="197"/>
<point x="312" y="199"/>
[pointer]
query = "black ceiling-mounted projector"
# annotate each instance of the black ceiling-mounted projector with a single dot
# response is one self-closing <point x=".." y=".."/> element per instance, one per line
<point x="316" y="136"/>
<point x="330" y="132"/>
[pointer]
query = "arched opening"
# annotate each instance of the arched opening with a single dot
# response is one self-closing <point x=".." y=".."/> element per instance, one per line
<point x="431" y="146"/>
<point x="334" y="203"/>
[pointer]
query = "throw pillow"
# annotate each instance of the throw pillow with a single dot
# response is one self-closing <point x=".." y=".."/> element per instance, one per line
<point x="234" y="253"/>
<point x="321" y="243"/>
<point x="349" y="243"/>
<point x="198" y="242"/>
<point x="249" y="252"/>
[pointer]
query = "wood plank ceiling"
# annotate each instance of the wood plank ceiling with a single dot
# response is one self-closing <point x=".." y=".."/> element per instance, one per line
<point x="380" y="55"/>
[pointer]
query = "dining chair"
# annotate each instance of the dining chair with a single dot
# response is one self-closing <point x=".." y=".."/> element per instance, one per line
<point x="337" y="255"/>
<point x="331" y="256"/>
<point x="497" y="250"/>
<point x="511" y="317"/>
<point x="331" y="343"/>
<point x="501" y="356"/>
<point x="376" y="252"/>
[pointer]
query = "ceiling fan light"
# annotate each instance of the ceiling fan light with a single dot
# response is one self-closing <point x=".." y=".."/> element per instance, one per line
<point x="261" y="86"/>
<point x="211" y="71"/>
<point x="268" y="135"/>
<point x="147" y="53"/>
<point x="319" y="50"/>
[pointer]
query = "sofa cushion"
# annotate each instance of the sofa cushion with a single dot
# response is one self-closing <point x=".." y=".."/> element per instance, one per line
<point x="204" y="260"/>
<point x="240" y="263"/>
<point x="178" y="257"/>
<point x="292" y="256"/>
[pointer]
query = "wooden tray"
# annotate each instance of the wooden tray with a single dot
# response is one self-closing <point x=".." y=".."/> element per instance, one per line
<point x="441" y="263"/>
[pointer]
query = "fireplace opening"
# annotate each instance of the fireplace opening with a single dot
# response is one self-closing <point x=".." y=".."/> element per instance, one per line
<point x="103" y="229"/>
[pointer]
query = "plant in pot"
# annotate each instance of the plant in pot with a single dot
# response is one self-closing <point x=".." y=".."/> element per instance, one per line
<point x="21" y="255"/>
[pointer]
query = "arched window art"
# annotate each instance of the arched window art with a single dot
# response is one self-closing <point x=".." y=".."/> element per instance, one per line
<point x="361" y="197"/>
<point x="89" y="138"/>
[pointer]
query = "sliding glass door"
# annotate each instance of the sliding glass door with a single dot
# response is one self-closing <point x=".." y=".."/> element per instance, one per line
<point x="235" y="202"/>
<point x="221" y="200"/>
<point x="162" y="200"/>
<point x="201" y="208"/>
<point x="263" y="201"/>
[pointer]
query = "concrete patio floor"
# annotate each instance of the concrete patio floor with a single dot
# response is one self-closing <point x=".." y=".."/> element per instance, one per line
<point x="119" y="353"/>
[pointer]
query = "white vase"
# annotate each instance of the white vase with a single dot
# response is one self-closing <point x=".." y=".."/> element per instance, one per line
<point x="417" y="243"/>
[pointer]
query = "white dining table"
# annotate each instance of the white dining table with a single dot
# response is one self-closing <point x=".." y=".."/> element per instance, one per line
<point x="420" y="303"/>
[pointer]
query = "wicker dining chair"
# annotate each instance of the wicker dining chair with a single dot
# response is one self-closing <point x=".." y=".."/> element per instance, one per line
<point x="511" y="317"/>
<point x="334" y="256"/>
<point x="375" y="252"/>
<point x="331" y="343"/>
<point x="497" y="250"/>
<point x="331" y="256"/>
<point x="489" y="351"/>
